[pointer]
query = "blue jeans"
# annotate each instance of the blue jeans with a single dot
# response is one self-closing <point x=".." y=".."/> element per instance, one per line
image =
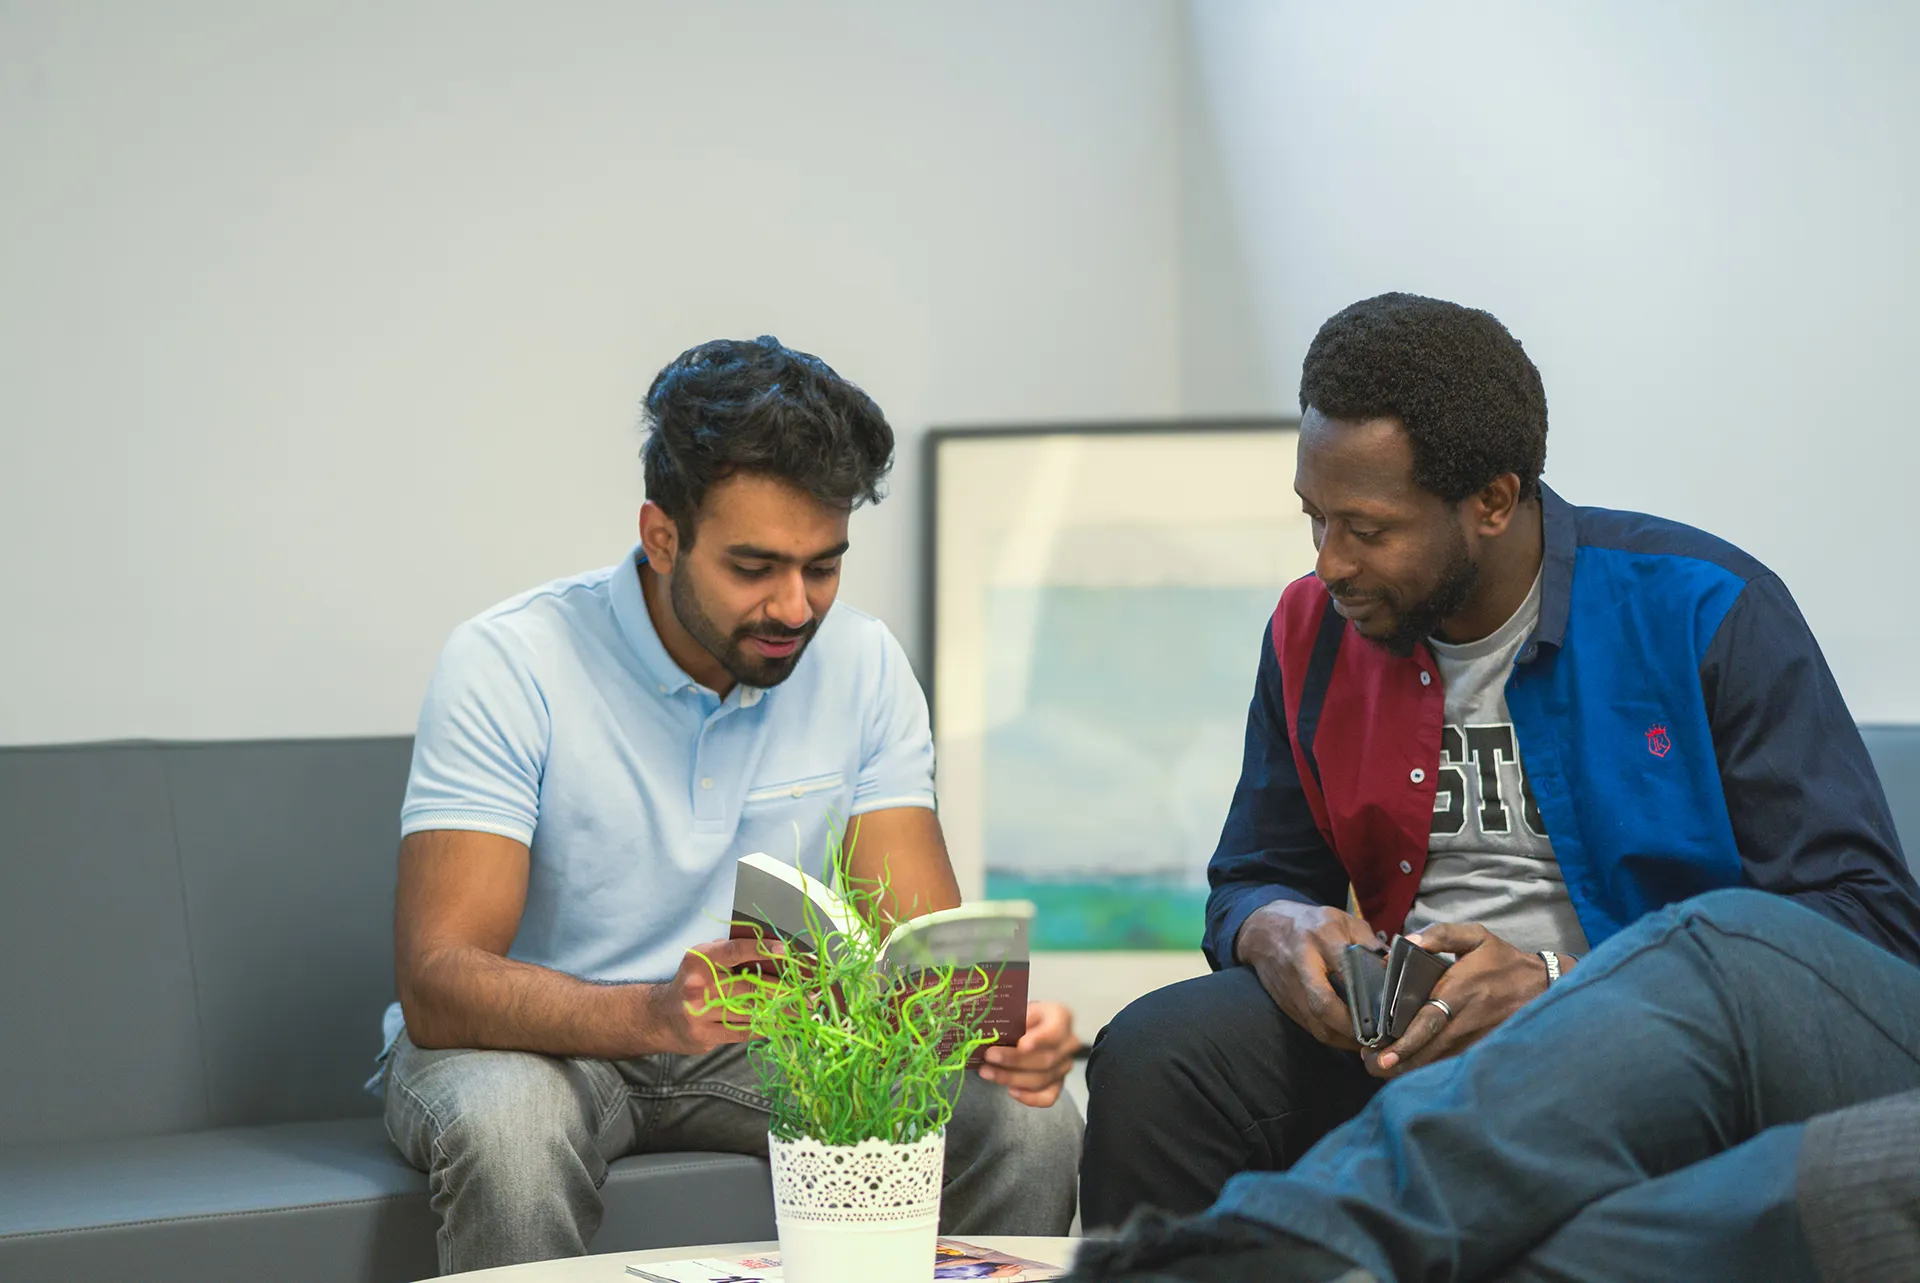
<point x="516" y="1145"/>
<point x="1644" y="1119"/>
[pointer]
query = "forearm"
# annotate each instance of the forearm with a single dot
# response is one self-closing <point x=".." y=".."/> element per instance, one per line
<point x="899" y="857"/>
<point x="462" y="996"/>
<point x="912" y="897"/>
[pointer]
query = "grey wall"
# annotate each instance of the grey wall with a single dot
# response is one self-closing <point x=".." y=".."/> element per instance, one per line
<point x="1698" y="216"/>
<point x="326" y="323"/>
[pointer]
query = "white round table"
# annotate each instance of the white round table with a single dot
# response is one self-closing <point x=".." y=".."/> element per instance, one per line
<point x="612" y="1267"/>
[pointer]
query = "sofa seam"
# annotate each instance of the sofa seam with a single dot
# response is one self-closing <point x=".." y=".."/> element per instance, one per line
<point x="186" y="918"/>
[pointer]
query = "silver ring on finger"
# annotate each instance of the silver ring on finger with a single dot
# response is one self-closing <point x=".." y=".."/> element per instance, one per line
<point x="1445" y="1010"/>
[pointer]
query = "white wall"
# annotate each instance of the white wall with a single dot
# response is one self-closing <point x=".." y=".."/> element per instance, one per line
<point x="1699" y="217"/>
<point x="325" y="324"/>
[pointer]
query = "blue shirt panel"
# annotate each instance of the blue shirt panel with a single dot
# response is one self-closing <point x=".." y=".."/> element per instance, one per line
<point x="1616" y="739"/>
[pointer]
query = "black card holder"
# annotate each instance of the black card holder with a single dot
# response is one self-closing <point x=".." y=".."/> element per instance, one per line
<point x="1412" y="973"/>
<point x="1364" y="971"/>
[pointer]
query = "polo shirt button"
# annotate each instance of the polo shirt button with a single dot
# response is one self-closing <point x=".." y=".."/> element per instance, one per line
<point x="663" y="688"/>
<point x="1405" y="867"/>
<point x="1417" y="775"/>
<point x="706" y="784"/>
<point x="1426" y="679"/>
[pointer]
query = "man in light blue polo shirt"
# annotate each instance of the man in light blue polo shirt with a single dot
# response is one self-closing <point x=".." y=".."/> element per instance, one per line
<point x="592" y="758"/>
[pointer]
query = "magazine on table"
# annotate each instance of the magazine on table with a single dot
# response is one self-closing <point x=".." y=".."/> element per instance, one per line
<point x="952" y="1259"/>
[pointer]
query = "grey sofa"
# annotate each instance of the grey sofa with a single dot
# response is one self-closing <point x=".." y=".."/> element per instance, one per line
<point x="195" y="950"/>
<point x="195" y="945"/>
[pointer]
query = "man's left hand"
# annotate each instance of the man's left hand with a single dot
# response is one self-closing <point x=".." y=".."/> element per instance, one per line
<point x="1033" y="1069"/>
<point x="1490" y="981"/>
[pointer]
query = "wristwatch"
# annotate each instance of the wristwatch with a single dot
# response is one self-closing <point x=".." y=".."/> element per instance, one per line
<point x="1552" y="960"/>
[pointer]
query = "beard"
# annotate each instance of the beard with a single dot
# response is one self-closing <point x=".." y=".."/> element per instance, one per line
<point x="730" y="649"/>
<point x="1413" y="624"/>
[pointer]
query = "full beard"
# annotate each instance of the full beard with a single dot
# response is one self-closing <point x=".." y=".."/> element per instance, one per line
<point x="730" y="649"/>
<point x="1414" y="624"/>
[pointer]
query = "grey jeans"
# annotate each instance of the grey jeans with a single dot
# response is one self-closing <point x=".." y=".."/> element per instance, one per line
<point x="516" y="1145"/>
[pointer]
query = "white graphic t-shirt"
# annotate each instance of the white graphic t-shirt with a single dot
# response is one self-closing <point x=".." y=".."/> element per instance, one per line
<point x="1489" y="859"/>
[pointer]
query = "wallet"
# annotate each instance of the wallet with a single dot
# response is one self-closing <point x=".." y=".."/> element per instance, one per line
<point x="1385" y="989"/>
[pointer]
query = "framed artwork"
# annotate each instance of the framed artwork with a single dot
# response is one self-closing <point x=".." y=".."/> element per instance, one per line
<point x="1096" y="600"/>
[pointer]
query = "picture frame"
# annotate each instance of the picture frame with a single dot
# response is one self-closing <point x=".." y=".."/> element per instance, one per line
<point x="1094" y="598"/>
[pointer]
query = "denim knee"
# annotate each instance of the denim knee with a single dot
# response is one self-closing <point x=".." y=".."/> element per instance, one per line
<point x="1744" y="911"/>
<point x="503" y="1113"/>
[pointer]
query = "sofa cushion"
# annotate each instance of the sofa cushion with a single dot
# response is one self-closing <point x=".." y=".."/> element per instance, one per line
<point x="308" y="1201"/>
<point x="288" y="851"/>
<point x="99" y="1032"/>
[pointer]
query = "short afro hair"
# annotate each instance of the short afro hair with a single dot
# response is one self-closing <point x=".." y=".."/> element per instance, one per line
<point x="1470" y="399"/>
<point x="737" y="406"/>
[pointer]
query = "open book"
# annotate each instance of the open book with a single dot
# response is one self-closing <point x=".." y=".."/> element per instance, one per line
<point x="771" y="899"/>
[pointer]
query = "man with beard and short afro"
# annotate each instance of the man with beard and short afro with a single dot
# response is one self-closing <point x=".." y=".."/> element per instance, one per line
<point x="1493" y="721"/>
<point x="594" y="756"/>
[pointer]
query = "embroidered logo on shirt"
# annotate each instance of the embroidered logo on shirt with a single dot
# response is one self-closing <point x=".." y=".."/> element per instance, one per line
<point x="1657" y="742"/>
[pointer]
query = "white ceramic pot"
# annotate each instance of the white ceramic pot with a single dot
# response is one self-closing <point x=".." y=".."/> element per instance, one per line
<point x="868" y="1212"/>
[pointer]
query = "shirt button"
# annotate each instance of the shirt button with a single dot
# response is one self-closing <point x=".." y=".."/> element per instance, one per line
<point x="706" y="784"/>
<point x="1426" y="679"/>
<point x="1417" y="775"/>
<point x="1405" y="867"/>
<point x="663" y="688"/>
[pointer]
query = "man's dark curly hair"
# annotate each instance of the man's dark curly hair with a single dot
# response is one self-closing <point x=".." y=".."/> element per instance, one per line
<point x="1470" y="399"/>
<point x="736" y="406"/>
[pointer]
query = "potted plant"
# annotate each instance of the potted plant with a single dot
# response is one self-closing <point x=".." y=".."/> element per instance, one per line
<point x="862" y="1063"/>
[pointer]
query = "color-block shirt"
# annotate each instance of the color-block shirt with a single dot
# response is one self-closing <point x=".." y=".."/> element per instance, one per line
<point x="1489" y="859"/>
<point x="1680" y="728"/>
<point x="558" y="719"/>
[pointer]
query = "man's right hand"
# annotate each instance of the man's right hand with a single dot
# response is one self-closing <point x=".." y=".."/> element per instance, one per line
<point x="682" y="1013"/>
<point x="1292" y="948"/>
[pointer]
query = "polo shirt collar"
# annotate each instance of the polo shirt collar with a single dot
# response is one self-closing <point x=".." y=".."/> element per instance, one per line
<point x="1559" y="539"/>
<point x="636" y="625"/>
<point x="630" y="609"/>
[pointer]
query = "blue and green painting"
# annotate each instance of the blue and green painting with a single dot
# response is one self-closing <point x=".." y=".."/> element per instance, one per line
<point x="1116" y="722"/>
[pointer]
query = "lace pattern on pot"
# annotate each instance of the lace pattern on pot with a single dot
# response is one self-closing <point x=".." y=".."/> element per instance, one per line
<point x="867" y="1183"/>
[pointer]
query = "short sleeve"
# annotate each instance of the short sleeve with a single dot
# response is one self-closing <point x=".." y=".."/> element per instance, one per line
<point x="896" y="766"/>
<point x="482" y="742"/>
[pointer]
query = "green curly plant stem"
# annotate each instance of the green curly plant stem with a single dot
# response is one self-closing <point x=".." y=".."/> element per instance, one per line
<point x="845" y="1051"/>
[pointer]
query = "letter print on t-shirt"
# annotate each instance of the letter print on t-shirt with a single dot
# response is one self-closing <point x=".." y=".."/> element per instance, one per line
<point x="1480" y="770"/>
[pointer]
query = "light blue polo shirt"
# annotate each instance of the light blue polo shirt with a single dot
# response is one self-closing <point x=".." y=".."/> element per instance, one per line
<point x="558" y="719"/>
